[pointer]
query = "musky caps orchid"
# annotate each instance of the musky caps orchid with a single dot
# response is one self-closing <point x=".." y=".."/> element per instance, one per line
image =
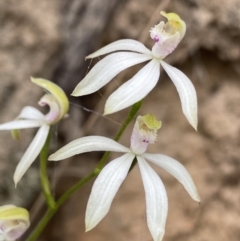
<point x="30" y="117"/>
<point x="167" y="37"/>
<point x="14" y="221"/>
<point x="113" y="174"/>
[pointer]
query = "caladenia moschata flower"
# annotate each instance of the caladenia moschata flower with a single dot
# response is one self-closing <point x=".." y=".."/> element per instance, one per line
<point x="166" y="37"/>
<point x="14" y="221"/>
<point x="30" y="117"/>
<point x="113" y="174"/>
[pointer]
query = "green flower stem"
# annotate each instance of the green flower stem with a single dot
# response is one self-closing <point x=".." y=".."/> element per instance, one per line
<point x="51" y="211"/>
<point x="133" y="164"/>
<point x="130" y="116"/>
<point x="43" y="173"/>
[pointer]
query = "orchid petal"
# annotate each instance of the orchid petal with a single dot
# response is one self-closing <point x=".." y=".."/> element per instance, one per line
<point x="31" y="153"/>
<point x="124" y="44"/>
<point x="105" y="188"/>
<point x="20" y="124"/>
<point x="135" y="89"/>
<point x="107" y="69"/>
<point x="186" y="92"/>
<point x="176" y="169"/>
<point x="87" y="144"/>
<point x="167" y="47"/>
<point x="30" y="112"/>
<point x="156" y="200"/>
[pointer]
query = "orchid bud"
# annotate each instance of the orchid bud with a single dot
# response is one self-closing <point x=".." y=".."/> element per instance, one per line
<point x="56" y="99"/>
<point x="168" y="35"/>
<point x="14" y="221"/>
<point x="144" y="133"/>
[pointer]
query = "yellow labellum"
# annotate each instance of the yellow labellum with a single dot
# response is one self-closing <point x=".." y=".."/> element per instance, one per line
<point x="151" y="122"/>
<point x="175" y="23"/>
<point x="14" y="213"/>
<point x="56" y="91"/>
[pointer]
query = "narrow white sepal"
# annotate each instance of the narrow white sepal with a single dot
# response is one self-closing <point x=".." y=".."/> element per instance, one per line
<point x="106" y="69"/>
<point x="87" y="144"/>
<point x="124" y="45"/>
<point x="31" y="113"/>
<point x="186" y="92"/>
<point x="156" y="200"/>
<point x="176" y="169"/>
<point x="20" y="124"/>
<point x="134" y="89"/>
<point x="105" y="188"/>
<point x="31" y="153"/>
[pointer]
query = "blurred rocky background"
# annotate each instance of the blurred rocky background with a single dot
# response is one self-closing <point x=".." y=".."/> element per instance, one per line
<point x="50" y="39"/>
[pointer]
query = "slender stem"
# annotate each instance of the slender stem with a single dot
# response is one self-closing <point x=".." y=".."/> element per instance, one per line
<point x="50" y="212"/>
<point x="129" y="118"/>
<point x="43" y="174"/>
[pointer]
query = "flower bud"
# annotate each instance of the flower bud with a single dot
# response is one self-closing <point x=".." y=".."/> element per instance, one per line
<point x="14" y="221"/>
<point x="56" y="99"/>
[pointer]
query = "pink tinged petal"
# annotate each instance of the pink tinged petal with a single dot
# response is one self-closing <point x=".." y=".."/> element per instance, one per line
<point x="31" y="153"/>
<point x="106" y="69"/>
<point x="87" y="144"/>
<point x="186" y="92"/>
<point x="16" y="231"/>
<point x="176" y="169"/>
<point x="105" y="188"/>
<point x="161" y="50"/>
<point x="124" y="44"/>
<point x="156" y="200"/>
<point x="20" y="124"/>
<point x="30" y="112"/>
<point x="135" y="89"/>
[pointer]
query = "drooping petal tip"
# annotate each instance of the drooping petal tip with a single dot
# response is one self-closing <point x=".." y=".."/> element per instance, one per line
<point x="31" y="153"/>
<point x="105" y="188"/>
<point x="186" y="91"/>
<point x="176" y="169"/>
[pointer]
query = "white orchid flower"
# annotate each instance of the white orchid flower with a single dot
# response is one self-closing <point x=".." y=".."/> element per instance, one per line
<point x="113" y="174"/>
<point x="14" y="221"/>
<point x="30" y="117"/>
<point x="167" y="37"/>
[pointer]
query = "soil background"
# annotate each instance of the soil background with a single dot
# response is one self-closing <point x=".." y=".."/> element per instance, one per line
<point x="50" y="39"/>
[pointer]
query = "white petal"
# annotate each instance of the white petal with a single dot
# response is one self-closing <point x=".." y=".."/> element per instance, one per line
<point x="31" y="153"/>
<point x="105" y="188"/>
<point x="186" y="92"/>
<point x="134" y="89"/>
<point x="124" y="44"/>
<point x="156" y="200"/>
<point x="20" y="124"/>
<point x="87" y="144"/>
<point x="176" y="169"/>
<point x="30" y="112"/>
<point x="107" y="69"/>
